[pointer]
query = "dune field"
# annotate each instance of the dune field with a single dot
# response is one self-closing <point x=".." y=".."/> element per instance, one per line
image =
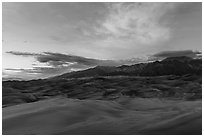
<point x="122" y="116"/>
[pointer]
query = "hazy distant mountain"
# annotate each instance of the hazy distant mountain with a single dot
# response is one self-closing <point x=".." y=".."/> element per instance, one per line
<point x="11" y="78"/>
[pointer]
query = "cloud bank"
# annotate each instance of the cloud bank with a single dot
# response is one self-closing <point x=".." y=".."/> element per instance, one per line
<point x="49" y="64"/>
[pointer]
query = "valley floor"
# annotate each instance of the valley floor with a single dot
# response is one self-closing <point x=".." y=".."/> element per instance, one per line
<point x="130" y="116"/>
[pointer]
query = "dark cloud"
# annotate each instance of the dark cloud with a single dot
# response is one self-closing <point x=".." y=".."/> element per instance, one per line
<point x="50" y="64"/>
<point x="188" y="53"/>
<point x="59" y="59"/>
<point x="63" y="58"/>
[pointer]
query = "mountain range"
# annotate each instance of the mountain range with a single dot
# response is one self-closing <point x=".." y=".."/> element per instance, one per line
<point x="169" y="66"/>
<point x="175" y="77"/>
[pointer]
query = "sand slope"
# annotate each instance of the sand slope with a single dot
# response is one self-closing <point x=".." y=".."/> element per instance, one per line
<point x="122" y="116"/>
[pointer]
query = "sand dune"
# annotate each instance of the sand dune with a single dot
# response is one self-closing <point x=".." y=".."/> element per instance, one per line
<point x="122" y="116"/>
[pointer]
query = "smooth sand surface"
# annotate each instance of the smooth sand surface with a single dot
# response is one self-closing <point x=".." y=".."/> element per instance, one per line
<point x="98" y="117"/>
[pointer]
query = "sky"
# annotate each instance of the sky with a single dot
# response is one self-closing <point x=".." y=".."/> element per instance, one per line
<point x="45" y="39"/>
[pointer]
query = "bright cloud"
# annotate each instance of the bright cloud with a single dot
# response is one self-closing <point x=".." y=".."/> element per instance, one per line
<point x="140" y="22"/>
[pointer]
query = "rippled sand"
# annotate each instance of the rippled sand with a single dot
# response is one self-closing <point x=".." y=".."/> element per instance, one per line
<point x="122" y="116"/>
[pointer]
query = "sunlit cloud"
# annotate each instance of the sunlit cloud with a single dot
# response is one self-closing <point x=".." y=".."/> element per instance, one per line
<point x="140" y="22"/>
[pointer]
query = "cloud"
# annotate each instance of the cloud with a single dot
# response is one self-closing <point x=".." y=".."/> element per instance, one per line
<point x="23" y="53"/>
<point x="141" y="22"/>
<point x="52" y="58"/>
<point x="50" y="64"/>
<point x="188" y="53"/>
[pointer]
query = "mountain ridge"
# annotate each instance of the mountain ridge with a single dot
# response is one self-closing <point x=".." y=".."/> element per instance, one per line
<point x="180" y="65"/>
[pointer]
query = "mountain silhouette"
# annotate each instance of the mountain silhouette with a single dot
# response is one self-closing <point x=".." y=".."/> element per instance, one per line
<point x="170" y="66"/>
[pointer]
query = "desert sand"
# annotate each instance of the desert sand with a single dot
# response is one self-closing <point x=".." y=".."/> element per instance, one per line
<point x="100" y="117"/>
